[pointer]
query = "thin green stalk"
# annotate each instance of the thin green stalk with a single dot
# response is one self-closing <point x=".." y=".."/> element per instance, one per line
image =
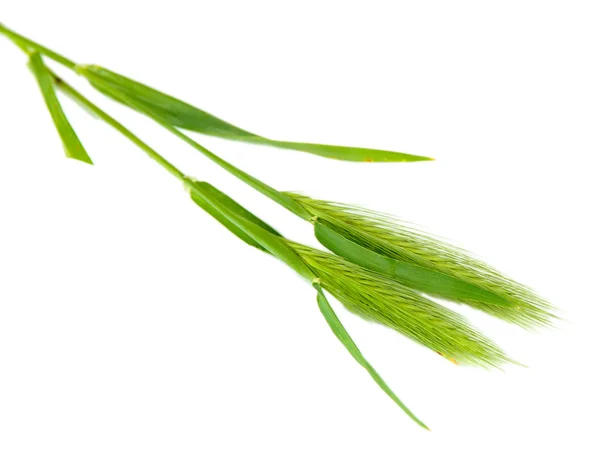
<point x="282" y="199"/>
<point x="268" y="240"/>
<point x="255" y="183"/>
<point x="275" y="195"/>
<point x="24" y="42"/>
<point x="273" y="244"/>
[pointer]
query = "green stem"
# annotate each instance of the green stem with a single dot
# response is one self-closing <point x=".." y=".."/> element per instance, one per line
<point x="24" y="42"/>
<point x="273" y="243"/>
<point x="276" y="196"/>
<point x="75" y="95"/>
<point x="265" y="189"/>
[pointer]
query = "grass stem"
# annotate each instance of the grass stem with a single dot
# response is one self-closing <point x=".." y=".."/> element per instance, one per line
<point x="75" y="95"/>
<point x="24" y="42"/>
<point x="277" y="196"/>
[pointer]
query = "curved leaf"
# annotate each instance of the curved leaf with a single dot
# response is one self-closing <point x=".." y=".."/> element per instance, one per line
<point x="183" y="115"/>
<point x="341" y="333"/>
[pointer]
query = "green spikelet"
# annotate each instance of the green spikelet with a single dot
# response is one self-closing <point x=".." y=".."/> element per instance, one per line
<point x="390" y="237"/>
<point x="377" y="298"/>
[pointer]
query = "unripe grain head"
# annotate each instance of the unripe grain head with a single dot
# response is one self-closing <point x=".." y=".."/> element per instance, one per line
<point x="390" y="237"/>
<point x="377" y="298"/>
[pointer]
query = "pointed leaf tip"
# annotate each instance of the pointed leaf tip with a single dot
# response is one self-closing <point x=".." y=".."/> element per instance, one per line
<point x="344" y="337"/>
<point x="72" y="145"/>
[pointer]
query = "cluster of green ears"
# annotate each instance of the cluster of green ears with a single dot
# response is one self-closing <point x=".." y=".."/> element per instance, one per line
<point x="377" y="267"/>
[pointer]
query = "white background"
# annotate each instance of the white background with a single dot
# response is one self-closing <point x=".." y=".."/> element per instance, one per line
<point x="131" y="322"/>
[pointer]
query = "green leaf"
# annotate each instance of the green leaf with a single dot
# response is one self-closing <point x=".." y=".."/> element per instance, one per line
<point x="217" y="197"/>
<point x="281" y="198"/>
<point x="183" y="115"/>
<point x="414" y="276"/>
<point x="73" y="147"/>
<point x="272" y="243"/>
<point x="341" y="333"/>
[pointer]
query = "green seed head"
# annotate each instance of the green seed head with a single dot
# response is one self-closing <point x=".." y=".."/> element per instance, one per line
<point x="377" y="298"/>
<point x="391" y="238"/>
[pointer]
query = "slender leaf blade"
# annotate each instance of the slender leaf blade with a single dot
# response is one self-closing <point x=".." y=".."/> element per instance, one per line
<point x="183" y="115"/>
<point x="72" y="145"/>
<point x="342" y="334"/>
<point x="281" y="198"/>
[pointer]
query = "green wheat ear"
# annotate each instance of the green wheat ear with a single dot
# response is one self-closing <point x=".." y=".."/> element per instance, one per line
<point x="378" y="298"/>
<point x="391" y="238"/>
